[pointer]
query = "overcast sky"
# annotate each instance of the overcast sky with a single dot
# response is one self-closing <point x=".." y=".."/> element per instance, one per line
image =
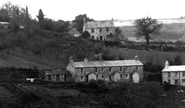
<point x="104" y="9"/>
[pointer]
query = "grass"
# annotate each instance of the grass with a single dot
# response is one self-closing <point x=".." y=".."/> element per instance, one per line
<point x="154" y="57"/>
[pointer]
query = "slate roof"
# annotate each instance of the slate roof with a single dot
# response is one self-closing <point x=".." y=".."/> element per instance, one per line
<point x="73" y="31"/>
<point x="56" y="72"/>
<point x="107" y="63"/>
<point x="99" y="24"/>
<point x="174" y="68"/>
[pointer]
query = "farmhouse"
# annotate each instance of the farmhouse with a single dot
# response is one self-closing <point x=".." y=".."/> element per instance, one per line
<point x="174" y="75"/>
<point x="57" y="75"/>
<point x="117" y="70"/>
<point x="100" y="30"/>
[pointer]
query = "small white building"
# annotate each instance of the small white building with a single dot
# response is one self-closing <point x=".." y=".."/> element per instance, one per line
<point x="174" y="75"/>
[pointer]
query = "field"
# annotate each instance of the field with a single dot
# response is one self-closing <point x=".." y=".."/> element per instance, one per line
<point x="169" y="32"/>
<point x="154" y="57"/>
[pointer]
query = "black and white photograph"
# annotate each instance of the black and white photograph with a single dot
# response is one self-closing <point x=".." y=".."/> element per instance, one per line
<point x="92" y="54"/>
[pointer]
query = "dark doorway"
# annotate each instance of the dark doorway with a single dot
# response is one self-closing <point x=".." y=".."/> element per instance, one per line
<point x="101" y="37"/>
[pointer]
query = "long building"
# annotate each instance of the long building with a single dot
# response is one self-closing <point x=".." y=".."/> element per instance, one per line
<point x="117" y="70"/>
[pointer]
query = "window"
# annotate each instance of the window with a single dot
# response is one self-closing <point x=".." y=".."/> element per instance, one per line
<point x="92" y="30"/>
<point x="183" y="73"/>
<point x="101" y="69"/>
<point x="107" y="29"/>
<point x="81" y="70"/>
<point x="100" y="30"/>
<point x="176" y="81"/>
<point x="176" y="73"/>
<point x="137" y="68"/>
<point x="49" y="77"/>
<point x="102" y="76"/>
<point x="82" y="78"/>
<point x="169" y="74"/>
<point x="96" y="70"/>
<point x="121" y="76"/>
<point x="126" y="68"/>
<point x="168" y="81"/>
<point x="109" y="69"/>
<point x="92" y="36"/>
<point x="121" y="69"/>
<point x="126" y="76"/>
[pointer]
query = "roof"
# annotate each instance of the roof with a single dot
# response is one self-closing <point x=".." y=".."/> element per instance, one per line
<point x="4" y="23"/>
<point x="174" y="68"/>
<point x="56" y="72"/>
<point x="73" y="31"/>
<point x="99" y="24"/>
<point x="107" y="63"/>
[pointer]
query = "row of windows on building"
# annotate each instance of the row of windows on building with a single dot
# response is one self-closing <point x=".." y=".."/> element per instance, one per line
<point x="100" y="30"/>
<point x="176" y="74"/>
<point x="126" y="76"/>
<point x="81" y="70"/>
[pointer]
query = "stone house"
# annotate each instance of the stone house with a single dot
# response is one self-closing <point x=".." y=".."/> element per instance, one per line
<point x="57" y="75"/>
<point x="174" y="75"/>
<point x="100" y="30"/>
<point x="117" y="70"/>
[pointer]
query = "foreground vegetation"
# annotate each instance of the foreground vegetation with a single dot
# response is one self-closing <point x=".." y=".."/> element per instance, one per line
<point x="95" y="94"/>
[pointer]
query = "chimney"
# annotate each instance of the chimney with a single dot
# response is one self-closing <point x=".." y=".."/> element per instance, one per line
<point x="166" y="64"/>
<point x="136" y="58"/>
<point x="70" y="59"/>
<point x="86" y="60"/>
<point x="100" y="58"/>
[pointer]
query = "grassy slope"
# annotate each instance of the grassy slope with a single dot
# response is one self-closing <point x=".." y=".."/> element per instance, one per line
<point x="169" y="32"/>
<point x="155" y="57"/>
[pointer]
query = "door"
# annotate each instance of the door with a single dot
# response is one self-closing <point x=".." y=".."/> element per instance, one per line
<point x="101" y="37"/>
<point x="135" y="77"/>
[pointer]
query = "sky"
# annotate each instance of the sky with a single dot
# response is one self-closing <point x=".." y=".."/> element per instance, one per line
<point x="103" y="9"/>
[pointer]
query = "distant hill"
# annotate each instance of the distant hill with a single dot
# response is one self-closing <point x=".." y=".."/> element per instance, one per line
<point x="170" y="32"/>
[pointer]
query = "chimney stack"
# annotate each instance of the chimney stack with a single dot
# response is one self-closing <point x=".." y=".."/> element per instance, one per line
<point x="136" y="58"/>
<point x="70" y="59"/>
<point x="86" y="60"/>
<point x="166" y="64"/>
<point x="100" y="58"/>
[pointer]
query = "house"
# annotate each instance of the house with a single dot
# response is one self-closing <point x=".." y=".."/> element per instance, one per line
<point x="57" y="75"/>
<point x="174" y="75"/>
<point x="100" y="30"/>
<point x="4" y="25"/>
<point x="73" y="32"/>
<point x="117" y="70"/>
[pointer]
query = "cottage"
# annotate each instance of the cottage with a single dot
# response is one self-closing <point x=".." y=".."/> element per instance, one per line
<point x="57" y="75"/>
<point x="117" y="70"/>
<point x="73" y="32"/>
<point x="100" y="30"/>
<point x="4" y="25"/>
<point x="174" y="75"/>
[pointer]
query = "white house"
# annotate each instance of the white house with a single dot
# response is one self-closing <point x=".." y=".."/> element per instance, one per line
<point x="174" y="75"/>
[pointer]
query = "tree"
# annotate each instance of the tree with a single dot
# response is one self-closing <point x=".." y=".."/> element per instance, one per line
<point x="79" y="21"/>
<point x="40" y="17"/>
<point x="86" y="34"/>
<point x="147" y="26"/>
